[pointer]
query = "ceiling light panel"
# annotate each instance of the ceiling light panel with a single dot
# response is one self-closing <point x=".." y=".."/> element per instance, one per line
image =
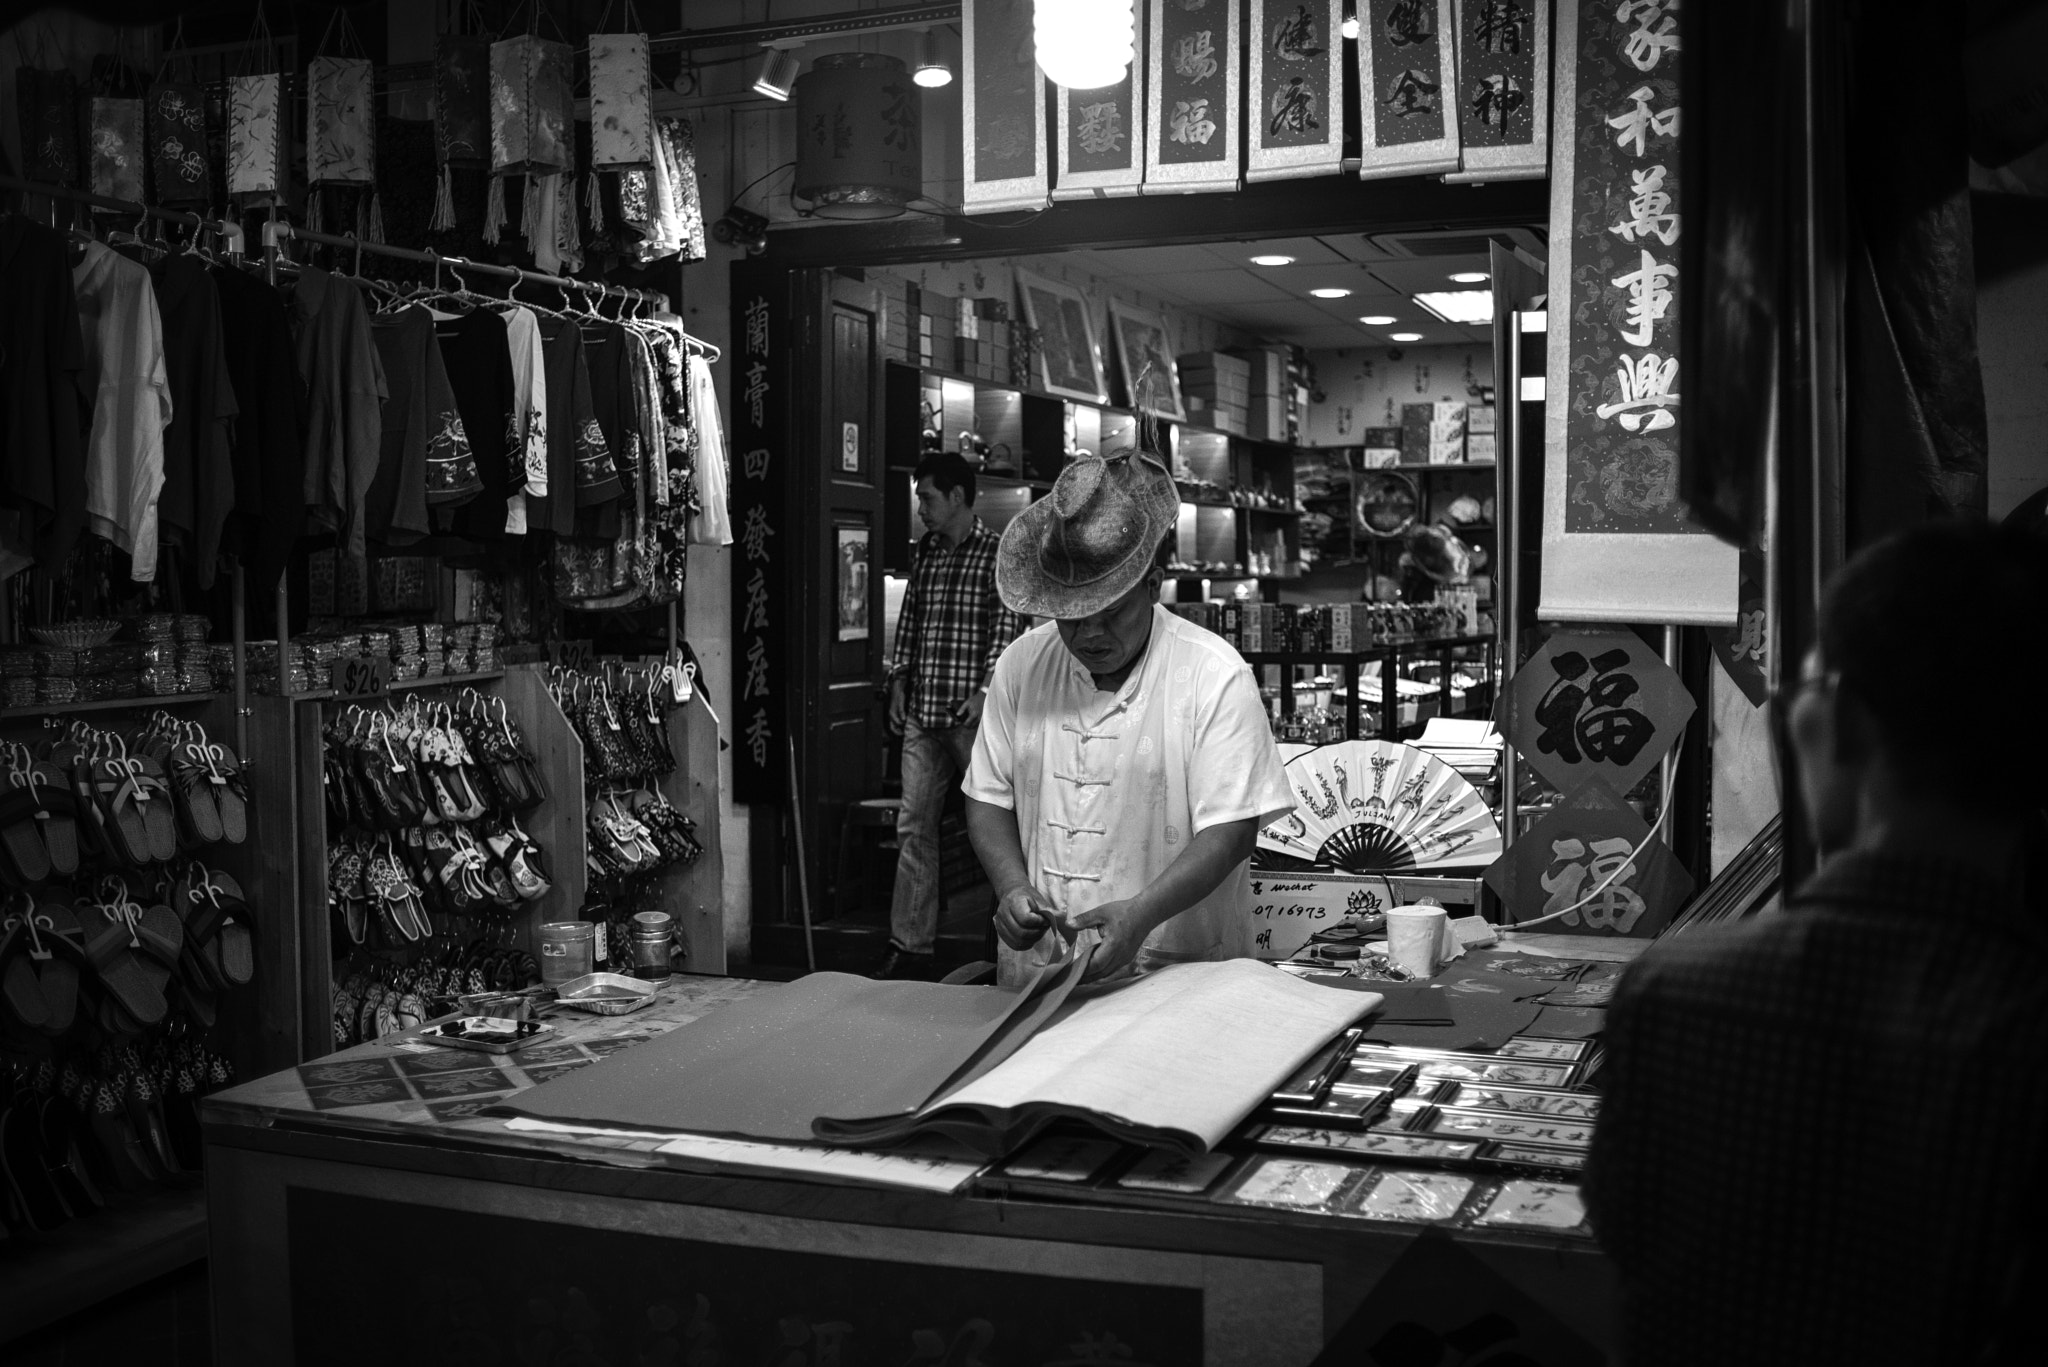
<point x="1331" y="292"/>
<point x="1459" y="306"/>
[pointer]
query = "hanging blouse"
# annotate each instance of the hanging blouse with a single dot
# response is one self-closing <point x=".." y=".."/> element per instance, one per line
<point x="126" y="375"/>
<point x="199" y="481"/>
<point x="345" y="392"/>
<point x="478" y="354"/>
<point x="45" y="399"/>
<point x="426" y="457"/>
<point x="529" y="414"/>
<point x="580" y="472"/>
<point x="681" y="143"/>
<point x="713" y="524"/>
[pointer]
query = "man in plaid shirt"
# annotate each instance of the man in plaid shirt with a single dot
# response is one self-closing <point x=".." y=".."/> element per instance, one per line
<point x="1820" y="1140"/>
<point x="952" y="629"/>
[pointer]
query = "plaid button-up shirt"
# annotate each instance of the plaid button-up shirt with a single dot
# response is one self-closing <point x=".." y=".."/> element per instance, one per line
<point x="953" y="626"/>
<point x="1821" y="1133"/>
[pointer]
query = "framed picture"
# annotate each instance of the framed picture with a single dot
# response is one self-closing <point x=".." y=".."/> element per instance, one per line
<point x="1067" y="361"/>
<point x="1141" y="340"/>
<point x="853" y="583"/>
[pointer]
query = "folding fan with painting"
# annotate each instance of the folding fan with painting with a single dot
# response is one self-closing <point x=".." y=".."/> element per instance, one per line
<point x="1375" y="806"/>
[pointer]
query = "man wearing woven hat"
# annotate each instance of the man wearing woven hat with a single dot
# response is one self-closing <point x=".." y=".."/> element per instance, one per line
<point x="1124" y="764"/>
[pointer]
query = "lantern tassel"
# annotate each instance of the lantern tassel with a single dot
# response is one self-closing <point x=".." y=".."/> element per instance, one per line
<point x="494" y="210"/>
<point x="529" y="213"/>
<point x="315" y="220"/>
<point x="594" y="194"/>
<point x="376" y="233"/>
<point x="444" y="202"/>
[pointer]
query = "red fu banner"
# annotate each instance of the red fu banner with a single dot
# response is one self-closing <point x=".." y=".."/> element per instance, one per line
<point x="1002" y="108"/>
<point x="1295" y="112"/>
<point x="1407" y="80"/>
<point x="1503" y="89"/>
<point x="1191" y="134"/>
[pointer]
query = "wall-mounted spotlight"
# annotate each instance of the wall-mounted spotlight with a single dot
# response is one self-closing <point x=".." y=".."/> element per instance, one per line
<point x="742" y="228"/>
<point x="778" y="73"/>
<point x="933" y="70"/>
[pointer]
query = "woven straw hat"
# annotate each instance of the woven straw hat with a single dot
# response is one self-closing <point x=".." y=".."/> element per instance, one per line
<point x="1088" y="542"/>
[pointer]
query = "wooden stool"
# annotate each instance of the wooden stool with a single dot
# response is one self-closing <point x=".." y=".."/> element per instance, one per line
<point x="864" y="820"/>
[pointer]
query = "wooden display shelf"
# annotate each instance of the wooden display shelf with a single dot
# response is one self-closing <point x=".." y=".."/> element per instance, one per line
<point x="45" y="709"/>
<point x="136" y="1239"/>
<point x="399" y="686"/>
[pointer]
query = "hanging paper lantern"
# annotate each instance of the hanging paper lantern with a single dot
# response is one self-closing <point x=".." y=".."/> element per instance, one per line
<point x="621" y="102"/>
<point x="177" y="142"/>
<point x="257" y="150"/>
<point x="462" y="100"/>
<point x="341" y="134"/>
<point x="117" y="149"/>
<point x="859" y="147"/>
<point x="47" y="103"/>
<point x="530" y="107"/>
<point x="1084" y="44"/>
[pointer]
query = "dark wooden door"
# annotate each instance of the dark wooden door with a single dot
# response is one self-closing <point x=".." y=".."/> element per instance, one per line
<point x="843" y="726"/>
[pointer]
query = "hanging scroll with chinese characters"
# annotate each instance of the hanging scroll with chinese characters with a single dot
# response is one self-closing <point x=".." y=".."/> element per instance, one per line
<point x="1100" y="136"/>
<point x="1407" y="79"/>
<point x="1618" y="544"/>
<point x="1503" y="89"/>
<point x="760" y="601"/>
<point x="1002" y="108"/>
<point x="1575" y="865"/>
<point x="1296" y="101"/>
<point x="1191" y="95"/>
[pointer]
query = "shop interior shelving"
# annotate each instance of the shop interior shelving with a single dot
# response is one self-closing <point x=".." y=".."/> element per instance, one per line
<point x="1390" y="654"/>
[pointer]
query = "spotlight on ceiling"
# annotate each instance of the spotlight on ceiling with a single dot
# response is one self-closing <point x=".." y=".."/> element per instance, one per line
<point x="1377" y="320"/>
<point x="1469" y="277"/>
<point x="933" y="70"/>
<point x="778" y="73"/>
<point x="1459" y="306"/>
<point x="1273" y="260"/>
<point x="1330" y="292"/>
<point x="1405" y="336"/>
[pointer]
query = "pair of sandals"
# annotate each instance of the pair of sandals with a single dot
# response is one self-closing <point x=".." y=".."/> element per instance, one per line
<point x="208" y="791"/>
<point x="368" y="880"/>
<point x="108" y="960"/>
<point x="625" y="738"/>
<point x="638" y="834"/>
<point x="383" y="774"/>
<point x="368" y="1007"/>
<point x="502" y="759"/>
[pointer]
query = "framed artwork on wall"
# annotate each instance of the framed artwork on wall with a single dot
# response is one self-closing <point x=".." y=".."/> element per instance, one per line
<point x="853" y="583"/>
<point x="1067" y="361"/>
<point x="1141" y="342"/>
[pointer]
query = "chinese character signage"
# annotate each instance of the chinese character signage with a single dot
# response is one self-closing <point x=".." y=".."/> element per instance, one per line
<point x="1618" y="544"/>
<point x="762" y="558"/>
<point x="1101" y="135"/>
<point x="1598" y="705"/>
<point x="1503" y="95"/>
<point x="1191" y="136"/>
<point x="1577" y="861"/>
<point x="1295" y="100"/>
<point x="1002" y="106"/>
<point x="1407" y="88"/>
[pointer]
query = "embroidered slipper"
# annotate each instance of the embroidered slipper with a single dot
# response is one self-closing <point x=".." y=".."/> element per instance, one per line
<point x="20" y="988"/>
<point x="21" y="837"/>
<point x="193" y="782"/>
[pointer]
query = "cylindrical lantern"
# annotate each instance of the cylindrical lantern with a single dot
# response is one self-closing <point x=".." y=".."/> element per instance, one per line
<point x="117" y="150"/>
<point x="1084" y="44"/>
<point x="860" y="136"/>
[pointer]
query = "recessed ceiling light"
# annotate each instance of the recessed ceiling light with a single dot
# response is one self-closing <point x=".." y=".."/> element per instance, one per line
<point x="1469" y="277"/>
<point x="1330" y="292"/>
<point x="1405" y="336"/>
<point x="1272" y="260"/>
<point x="1377" y="320"/>
<point x="1459" y="306"/>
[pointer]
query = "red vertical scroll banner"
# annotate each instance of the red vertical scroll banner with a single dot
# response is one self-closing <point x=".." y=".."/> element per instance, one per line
<point x="1503" y="89"/>
<point x="1101" y="135"/>
<point x="1002" y="105"/>
<point x="1294" y="110"/>
<point x="764" y="553"/>
<point x="1192" y="140"/>
<point x="1407" y="86"/>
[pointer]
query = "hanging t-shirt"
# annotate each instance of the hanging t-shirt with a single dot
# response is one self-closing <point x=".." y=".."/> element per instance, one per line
<point x="427" y="460"/>
<point x="529" y="413"/>
<point x="126" y="374"/>
<point x="268" y="451"/>
<point x="712" y="526"/>
<point x="199" y="481"/>
<point x="580" y="473"/>
<point x="475" y="349"/>
<point x="45" y="401"/>
<point x="345" y="392"/>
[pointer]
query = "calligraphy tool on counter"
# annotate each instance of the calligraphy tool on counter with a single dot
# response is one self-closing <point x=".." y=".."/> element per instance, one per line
<point x="1313" y="1081"/>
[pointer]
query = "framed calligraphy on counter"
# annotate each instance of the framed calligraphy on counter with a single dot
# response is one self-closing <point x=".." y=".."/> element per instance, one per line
<point x="1618" y="543"/>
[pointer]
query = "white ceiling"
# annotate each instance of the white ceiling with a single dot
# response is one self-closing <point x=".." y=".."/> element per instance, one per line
<point x="1273" y="302"/>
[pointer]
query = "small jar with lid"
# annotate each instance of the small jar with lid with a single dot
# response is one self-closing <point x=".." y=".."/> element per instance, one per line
<point x="567" y="950"/>
<point x="653" y="945"/>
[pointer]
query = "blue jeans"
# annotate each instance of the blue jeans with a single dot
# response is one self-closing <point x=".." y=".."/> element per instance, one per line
<point x="933" y="763"/>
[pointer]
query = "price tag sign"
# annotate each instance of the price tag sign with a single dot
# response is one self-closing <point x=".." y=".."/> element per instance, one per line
<point x="362" y="676"/>
<point x="571" y="654"/>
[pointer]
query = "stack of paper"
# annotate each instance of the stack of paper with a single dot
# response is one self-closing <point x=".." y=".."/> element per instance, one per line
<point x="1471" y="746"/>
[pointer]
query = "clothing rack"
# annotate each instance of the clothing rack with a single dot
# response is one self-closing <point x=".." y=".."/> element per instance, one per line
<point x="230" y="235"/>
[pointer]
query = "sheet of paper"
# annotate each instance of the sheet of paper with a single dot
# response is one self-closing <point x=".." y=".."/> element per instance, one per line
<point x="1192" y="1048"/>
<point x="929" y="1165"/>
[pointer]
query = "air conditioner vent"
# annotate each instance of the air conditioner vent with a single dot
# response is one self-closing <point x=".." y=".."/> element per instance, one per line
<point x="1431" y="244"/>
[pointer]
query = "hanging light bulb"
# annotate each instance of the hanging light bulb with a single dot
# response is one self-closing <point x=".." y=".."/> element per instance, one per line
<point x="1350" y="29"/>
<point x="1084" y="44"/>
<point x="933" y="70"/>
<point x="778" y="73"/>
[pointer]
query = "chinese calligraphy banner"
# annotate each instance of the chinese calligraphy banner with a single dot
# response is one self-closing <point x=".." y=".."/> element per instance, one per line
<point x="1407" y="78"/>
<point x="1191" y="137"/>
<point x="1296" y="97"/>
<point x="1594" y="705"/>
<point x="1003" y="108"/>
<point x="1503" y="89"/>
<point x="1101" y="143"/>
<point x="1618" y="544"/>
<point x="760" y="598"/>
<point x="1576" y="861"/>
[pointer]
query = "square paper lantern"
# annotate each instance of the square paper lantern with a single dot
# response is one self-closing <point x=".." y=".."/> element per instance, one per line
<point x="621" y="103"/>
<point x="47" y="105"/>
<point x="462" y="100"/>
<point x="531" y="105"/>
<point x="177" y="142"/>
<point x="258" y="157"/>
<point x="341" y="134"/>
<point x="117" y="149"/>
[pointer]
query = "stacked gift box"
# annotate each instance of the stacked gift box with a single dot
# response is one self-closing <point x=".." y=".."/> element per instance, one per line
<point x="1433" y="433"/>
<point x="981" y="338"/>
<point x="1219" y="387"/>
<point x="1278" y="392"/>
<point x="1479" y="433"/>
<point x="1382" y="448"/>
<point x="59" y="674"/>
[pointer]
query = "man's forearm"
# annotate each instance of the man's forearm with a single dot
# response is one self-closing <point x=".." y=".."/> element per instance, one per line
<point x="992" y="830"/>
<point x="1203" y="865"/>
